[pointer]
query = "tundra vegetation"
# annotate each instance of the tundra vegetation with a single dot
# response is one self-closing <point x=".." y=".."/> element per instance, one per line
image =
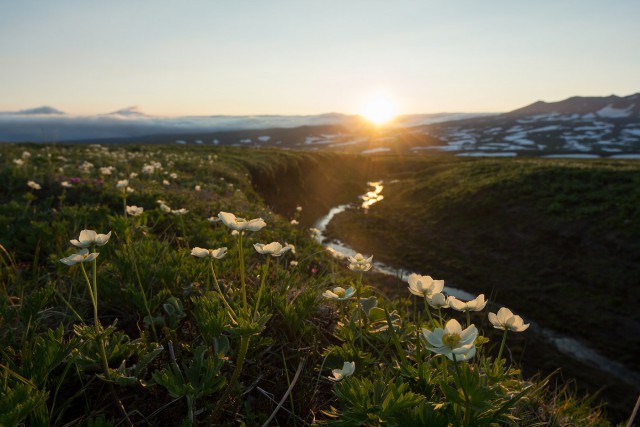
<point x="151" y="285"/>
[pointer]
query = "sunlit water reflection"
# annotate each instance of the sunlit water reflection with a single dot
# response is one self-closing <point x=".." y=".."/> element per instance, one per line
<point x="374" y="196"/>
<point x="566" y="345"/>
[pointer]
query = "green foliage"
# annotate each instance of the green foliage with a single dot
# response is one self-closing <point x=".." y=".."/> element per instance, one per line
<point x="159" y="332"/>
<point x="381" y="401"/>
<point x="17" y="402"/>
<point x="201" y="376"/>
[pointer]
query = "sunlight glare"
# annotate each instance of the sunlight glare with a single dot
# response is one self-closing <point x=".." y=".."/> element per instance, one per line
<point x="379" y="110"/>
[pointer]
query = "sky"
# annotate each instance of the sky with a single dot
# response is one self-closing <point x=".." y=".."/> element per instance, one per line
<point x="310" y="57"/>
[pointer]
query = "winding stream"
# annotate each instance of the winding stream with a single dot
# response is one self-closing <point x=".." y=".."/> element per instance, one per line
<point x="566" y="345"/>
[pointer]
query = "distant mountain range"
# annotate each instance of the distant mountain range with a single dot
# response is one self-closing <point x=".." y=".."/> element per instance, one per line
<point x="578" y="127"/>
<point x="581" y="126"/>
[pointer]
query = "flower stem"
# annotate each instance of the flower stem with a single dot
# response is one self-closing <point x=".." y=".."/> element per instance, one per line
<point x="468" y="318"/>
<point x="426" y="308"/>
<point x="144" y="296"/>
<point x="265" y="270"/>
<point x="242" y="283"/>
<point x="232" y="314"/>
<point x="242" y="352"/>
<point x="504" y="340"/>
<point x="467" y="405"/>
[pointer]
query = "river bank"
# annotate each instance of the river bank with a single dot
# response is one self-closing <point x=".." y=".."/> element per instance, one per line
<point x="540" y="236"/>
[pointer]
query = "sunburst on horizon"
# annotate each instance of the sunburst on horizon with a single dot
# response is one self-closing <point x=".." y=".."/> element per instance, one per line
<point x="379" y="110"/>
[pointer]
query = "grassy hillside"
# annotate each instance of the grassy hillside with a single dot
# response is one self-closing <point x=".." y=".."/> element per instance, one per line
<point x="154" y="331"/>
<point x="558" y="240"/>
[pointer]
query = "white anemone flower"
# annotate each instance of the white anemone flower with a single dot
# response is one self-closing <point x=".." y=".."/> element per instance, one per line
<point x="273" y="249"/>
<point x="34" y="185"/>
<point x="213" y="219"/>
<point x="107" y="170"/>
<point x="240" y="224"/>
<point x="424" y="286"/>
<point x="82" y="256"/>
<point x="360" y="262"/>
<point x="123" y="183"/>
<point x="348" y="368"/>
<point x="475" y="304"/>
<point x="66" y="184"/>
<point x="134" y="210"/>
<point x="438" y="301"/>
<point x="507" y="321"/>
<point x="90" y="237"/>
<point x="197" y="188"/>
<point x="452" y="340"/>
<point x="294" y="222"/>
<point x="181" y="211"/>
<point x="339" y="293"/>
<point x="165" y="208"/>
<point x="209" y="253"/>
<point x="334" y="253"/>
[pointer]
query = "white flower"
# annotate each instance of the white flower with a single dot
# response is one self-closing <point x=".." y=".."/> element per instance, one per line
<point x="66" y="184"/>
<point x="334" y="253"/>
<point x="360" y="263"/>
<point x="148" y="169"/>
<point x="164" y="208"/>
<point x="475" y="304"/>
<point x="123" y="183"/>
<point x="90" y="237"/>
<point x="82" y="256"/>
<point x="213" y="253"/>
<point x="34" y="185"/>
<point x="507" y="321"/>
<point x="174" y="175"/>
<point x="291" y="247"/>
<point x="235" y="233"/>
<point x="86" y="166"/>
<point x="107" y="170"/>
<point x="129" y="190"/>
<point x="294" y="222"/>
<point x="213" y="219"/>
<point x="241" y="224"/>
<point x="339" y="293"/>
<point x="133" y="175"/>
<point x="165" y="182"/>
<point x="299" y="208"/>
<point x="134" y="210"/>
<point x="26" y="154"/>
<point x="348" y="368"/>
<point x="438" y="301"/>
<point x="181" y="211"/>
<point x="424" y="286"/>
<point x="452" y="340"/>
<point x="197" y="188"/>
<point x="18" y="162"/>
<point x="273" y="249"/>
<point x="314" y="232"/>
<point x="293" y="263"/>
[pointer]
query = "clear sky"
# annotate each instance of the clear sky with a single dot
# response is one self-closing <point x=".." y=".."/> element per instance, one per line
<point x="308" y="57"/>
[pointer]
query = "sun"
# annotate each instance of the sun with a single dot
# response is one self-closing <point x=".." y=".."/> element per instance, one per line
<point x="379" y="110"/>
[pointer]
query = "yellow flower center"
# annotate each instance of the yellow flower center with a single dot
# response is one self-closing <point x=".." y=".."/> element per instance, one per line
<point x="341" y="293"/>
<point x="450" y="340"/>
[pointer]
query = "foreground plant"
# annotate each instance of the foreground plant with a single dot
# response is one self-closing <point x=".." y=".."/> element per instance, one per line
<point x="506" y="321"/>
<point x="89" y="238"/>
